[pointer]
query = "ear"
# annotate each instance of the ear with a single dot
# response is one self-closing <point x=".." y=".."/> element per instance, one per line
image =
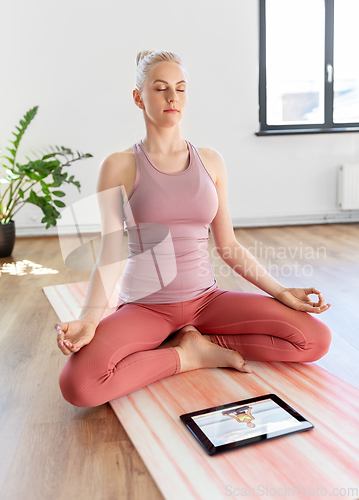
<point x="137" y="99"/>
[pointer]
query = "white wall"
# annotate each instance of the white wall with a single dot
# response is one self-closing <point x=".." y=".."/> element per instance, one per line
<point x="76" y="60"/>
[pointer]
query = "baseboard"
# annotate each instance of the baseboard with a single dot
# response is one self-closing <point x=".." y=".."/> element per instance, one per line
<point x="40" y="230"/>
<point x="338" y="217"/>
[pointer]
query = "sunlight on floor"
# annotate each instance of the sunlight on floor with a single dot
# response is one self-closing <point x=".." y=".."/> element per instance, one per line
<point x="22" y="267"/>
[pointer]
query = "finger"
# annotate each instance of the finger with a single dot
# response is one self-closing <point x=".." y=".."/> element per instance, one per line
<point x="63" y="348"/>
<point x="73" y="346"/>
<point x="315" y="310"/>
<point x="60" y="333"/>
<point x="318" y="310"/>
<point x="76" y="347"/>
<point x="308" y="291"/>
<point x="61" y="330"/>
<point x="325" y="307"/>
<point x="63" y="326"/>
<point x="321" y="303"/>
<point x="68" y="344"/>
<point x="64" y="345"/>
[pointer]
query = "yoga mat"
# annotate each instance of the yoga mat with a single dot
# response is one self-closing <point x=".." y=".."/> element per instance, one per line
<point x="320" y="462"/>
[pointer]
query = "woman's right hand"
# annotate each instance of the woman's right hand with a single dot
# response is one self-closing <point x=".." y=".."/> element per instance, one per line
<point x="74" y="335"/>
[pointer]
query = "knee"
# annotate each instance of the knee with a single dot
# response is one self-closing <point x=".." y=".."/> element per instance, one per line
<point x="74" y="389"/>
<point x="321" y="342"/>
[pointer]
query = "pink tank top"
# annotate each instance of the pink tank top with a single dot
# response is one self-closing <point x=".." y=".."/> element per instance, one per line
<point x="167" y="218"/>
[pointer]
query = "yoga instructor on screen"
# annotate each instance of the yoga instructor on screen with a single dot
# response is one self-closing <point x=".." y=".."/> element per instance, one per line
<point x="171" y="316"/>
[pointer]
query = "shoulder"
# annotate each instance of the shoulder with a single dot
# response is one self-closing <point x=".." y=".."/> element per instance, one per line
<point x="115" y="167"/>
<point x="214" y="161"/>
<point x="210" y="153"/>
<point x="118" y="159"/>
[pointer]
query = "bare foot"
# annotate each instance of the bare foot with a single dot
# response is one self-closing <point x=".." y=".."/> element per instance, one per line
<point x="197" y="352"/>
<point x="174" y="339"/>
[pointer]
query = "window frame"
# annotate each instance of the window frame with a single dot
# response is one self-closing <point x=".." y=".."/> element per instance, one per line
<point x="328" y="126"/>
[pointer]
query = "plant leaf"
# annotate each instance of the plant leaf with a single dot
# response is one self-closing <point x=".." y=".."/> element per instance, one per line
<point x="33" y="176"/>
<point x="40" y="169"/>
<point x="55" y="184"/>
<point x="50" y="155"/>
<point x="60" y="194"/>
<point x="10" y="160"/>
<point x="45" y="189"/>
<point x="59" y="203"/>
<point x="24" y="124"/>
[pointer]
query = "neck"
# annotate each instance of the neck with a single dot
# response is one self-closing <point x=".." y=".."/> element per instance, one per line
<point x="163" y="141"/>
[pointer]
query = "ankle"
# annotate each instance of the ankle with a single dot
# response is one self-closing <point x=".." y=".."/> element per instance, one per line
<point x="181" y="355"/>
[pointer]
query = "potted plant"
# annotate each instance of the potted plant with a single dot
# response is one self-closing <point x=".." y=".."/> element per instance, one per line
<point x="34" y="182"/>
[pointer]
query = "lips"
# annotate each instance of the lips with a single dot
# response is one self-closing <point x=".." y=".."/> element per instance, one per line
<point x="171" y="110"/>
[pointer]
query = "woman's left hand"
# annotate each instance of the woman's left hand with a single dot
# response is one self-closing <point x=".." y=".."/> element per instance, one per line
<point x="297" y="298"/>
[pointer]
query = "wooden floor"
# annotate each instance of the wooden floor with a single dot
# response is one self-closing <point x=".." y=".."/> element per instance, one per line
<point x="53" y="450"/>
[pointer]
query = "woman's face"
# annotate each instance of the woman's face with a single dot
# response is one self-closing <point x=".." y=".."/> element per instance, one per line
<point x="165" y="88"/>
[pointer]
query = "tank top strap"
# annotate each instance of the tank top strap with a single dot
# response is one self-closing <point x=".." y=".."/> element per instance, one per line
<point x="147" y="164"/>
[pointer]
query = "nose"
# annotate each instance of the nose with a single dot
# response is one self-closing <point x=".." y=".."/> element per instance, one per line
<point x="172" y="97"/>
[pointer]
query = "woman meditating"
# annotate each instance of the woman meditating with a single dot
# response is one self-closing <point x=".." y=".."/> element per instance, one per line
<point x="171" y="316"/>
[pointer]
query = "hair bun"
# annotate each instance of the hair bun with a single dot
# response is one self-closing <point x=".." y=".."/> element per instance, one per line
<point x="143" y="54"/>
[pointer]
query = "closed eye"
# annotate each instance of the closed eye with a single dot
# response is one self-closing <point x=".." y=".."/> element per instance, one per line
<point x="162" y="90"/>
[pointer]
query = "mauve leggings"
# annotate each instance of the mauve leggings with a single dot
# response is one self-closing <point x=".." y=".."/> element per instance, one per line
<point x="122" y="357"/>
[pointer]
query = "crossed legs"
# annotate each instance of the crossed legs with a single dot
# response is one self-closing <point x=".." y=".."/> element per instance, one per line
<point x="263" y="329"/>
<point x="129" y="350"/>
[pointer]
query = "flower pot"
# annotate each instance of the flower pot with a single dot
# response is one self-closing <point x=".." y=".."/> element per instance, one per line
<point x="7" y="238"/>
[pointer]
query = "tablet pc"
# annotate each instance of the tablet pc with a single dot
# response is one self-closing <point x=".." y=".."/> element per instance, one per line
<point x="241" y="423"/>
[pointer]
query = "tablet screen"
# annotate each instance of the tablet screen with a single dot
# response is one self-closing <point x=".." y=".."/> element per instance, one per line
<point x="244" y="422"/>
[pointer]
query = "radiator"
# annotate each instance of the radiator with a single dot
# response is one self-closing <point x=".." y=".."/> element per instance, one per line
<point x="348" y="186"/>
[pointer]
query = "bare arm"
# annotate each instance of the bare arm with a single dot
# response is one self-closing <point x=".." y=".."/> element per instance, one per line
<point x="73" y="335"/>
<point x="242" y="261"/>
<point x="108" y="265"/>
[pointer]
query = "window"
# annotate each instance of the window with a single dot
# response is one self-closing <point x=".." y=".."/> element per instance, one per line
<point x="308" y="66"/>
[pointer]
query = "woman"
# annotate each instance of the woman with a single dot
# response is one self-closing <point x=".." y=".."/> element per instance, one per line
<point x="171" y="316"/>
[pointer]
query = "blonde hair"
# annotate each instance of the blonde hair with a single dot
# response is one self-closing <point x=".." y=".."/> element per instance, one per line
<point x="146" y="59"/>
